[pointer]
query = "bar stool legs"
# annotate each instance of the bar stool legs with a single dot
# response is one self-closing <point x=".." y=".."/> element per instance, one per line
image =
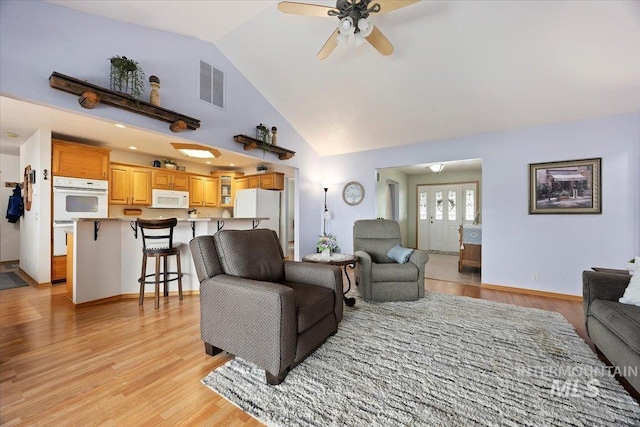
<point x="159" y="277"/>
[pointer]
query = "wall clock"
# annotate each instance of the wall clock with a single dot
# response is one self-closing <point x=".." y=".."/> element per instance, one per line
<point x="353" y="193"/>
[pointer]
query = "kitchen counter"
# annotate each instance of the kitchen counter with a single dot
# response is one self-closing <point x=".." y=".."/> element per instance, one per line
<point x="108" y="255"/>
<point x="199" y="219"/>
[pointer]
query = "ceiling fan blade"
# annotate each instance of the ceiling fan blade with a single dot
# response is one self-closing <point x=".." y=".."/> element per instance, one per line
<point x="380" y="42"/>
<point x="390" y="5"/>
<point x="304" y="9"/>
<point x="329" y="45"/>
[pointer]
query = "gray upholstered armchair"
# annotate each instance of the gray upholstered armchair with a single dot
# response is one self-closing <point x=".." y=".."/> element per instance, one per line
<point x="379" y="277"/>
<point x="257" y="306"/>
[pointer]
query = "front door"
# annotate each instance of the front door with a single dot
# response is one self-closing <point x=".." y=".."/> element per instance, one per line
<point x="444" y="217"/>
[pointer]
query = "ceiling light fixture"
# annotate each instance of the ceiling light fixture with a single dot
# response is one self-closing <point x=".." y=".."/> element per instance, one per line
<point x="133" y="147"/>
<point x="10" y="135"/>
<point x="436" y="167"/>
<point x="197" y="151"/>
<point x="119" y="125"/>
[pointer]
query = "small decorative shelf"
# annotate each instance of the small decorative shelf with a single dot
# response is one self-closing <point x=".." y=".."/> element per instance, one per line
<point x="252" y="143"/>
<point x="91" y="95"/>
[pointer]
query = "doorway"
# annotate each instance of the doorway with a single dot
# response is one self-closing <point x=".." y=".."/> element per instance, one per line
<point x="441" y="209"/>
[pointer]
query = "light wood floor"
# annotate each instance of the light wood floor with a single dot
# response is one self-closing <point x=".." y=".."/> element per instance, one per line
<point x="121" y="365"/>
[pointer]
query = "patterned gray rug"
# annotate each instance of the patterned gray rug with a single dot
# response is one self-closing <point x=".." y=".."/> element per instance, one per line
<point x="11" y="280"/>
<point x="440" y="361"/>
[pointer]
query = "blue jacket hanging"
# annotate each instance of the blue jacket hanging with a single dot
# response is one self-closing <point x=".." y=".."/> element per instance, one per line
<point x="16" y="208"/>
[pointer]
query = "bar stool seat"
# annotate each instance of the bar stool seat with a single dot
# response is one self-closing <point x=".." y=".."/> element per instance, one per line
<point x="157" y="242"/>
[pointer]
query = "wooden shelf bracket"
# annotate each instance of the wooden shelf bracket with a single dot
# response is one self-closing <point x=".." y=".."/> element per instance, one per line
<point x="252" y="143"/>
<point x="91" y="95"/>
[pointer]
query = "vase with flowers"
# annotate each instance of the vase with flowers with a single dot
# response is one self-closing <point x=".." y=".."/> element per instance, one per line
<point x="327" y="244"/>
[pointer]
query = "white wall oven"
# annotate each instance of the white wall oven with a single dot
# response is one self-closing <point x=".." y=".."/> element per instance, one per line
<point x="76" y="198"/>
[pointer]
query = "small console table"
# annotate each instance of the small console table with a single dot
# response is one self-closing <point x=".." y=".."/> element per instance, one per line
<point x="341" y="260"/>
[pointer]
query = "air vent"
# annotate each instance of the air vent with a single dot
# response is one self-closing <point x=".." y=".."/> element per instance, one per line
<point x="211" y="85"/>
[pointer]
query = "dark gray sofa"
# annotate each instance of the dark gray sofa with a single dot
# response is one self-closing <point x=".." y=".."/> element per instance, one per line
<point x="613" y="327"/>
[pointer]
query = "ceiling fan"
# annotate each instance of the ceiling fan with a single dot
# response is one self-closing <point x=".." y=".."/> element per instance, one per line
<point x="353" y="16"/>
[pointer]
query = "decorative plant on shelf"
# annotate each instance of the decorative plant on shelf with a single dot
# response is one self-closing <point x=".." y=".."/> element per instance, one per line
<point x="126" y="76"/>
<point x="170" y="164"/>
<point x="261" y="167"/>
<point x="263" y="134"/>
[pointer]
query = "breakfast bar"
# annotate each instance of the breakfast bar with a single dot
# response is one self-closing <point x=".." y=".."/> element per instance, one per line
<point x="107" y="255"/>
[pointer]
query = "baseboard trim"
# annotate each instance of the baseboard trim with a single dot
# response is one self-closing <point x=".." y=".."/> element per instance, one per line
<point x="98" y="301"/>
<point x="531" y="292"/>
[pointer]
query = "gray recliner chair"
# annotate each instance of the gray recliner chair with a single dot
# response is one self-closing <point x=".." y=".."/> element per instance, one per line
<point x="379" y="277"/>
<point x="255" y="305"/>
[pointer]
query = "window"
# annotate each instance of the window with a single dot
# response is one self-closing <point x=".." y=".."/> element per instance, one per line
<point x="452" y="206"/>
<point x="439" y="206"/>
<point x="470" y="205"/>
<point x="422" y="204"/>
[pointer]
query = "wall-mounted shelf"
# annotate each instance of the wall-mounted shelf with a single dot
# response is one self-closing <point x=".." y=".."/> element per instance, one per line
<point x="91" y="95"/>
<point x="252" y="143"/>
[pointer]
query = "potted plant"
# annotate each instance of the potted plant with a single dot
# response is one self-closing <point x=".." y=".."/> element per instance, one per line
<point x="261" y="168"/>
<point x="126" y="76"/>
<point x="169" y="164"/>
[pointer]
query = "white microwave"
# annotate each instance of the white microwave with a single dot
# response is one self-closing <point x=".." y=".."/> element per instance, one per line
<point x="169" y="199"/>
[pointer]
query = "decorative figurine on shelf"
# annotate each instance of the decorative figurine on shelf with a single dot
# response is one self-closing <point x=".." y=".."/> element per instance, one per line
<point x="154" y="96"/>
<point x="274" y="138"/>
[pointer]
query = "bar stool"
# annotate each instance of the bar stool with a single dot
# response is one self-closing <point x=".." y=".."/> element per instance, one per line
<point x="157" y="242"/>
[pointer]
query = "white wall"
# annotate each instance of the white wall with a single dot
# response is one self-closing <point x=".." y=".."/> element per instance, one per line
<point x="9" y="232"/>
<point x="35" y="227"/>
<point x="517" y="245"/>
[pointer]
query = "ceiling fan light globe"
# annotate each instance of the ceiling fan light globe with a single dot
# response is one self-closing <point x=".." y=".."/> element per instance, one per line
<point x="359" y="40"/>
<point x="346" y="25"/>
<point x="364" y="27"/>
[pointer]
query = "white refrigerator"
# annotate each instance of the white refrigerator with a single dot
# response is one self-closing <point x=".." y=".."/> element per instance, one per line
<point x="257" y="203"/>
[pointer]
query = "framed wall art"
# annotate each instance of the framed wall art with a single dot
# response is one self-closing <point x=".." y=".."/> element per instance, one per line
<point x="566" y="187"/>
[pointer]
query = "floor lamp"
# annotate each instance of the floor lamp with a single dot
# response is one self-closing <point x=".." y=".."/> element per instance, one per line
<point x="327" y="215"/>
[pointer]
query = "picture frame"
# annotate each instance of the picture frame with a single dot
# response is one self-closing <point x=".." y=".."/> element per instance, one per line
<point x="566" y="187"/>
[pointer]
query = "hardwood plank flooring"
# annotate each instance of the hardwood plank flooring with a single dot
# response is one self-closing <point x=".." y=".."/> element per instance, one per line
<point x="119" y="364"/>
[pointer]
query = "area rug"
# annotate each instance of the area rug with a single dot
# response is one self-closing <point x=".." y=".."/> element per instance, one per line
<point x="440" y="361"/>
<point x="11" y="280"/>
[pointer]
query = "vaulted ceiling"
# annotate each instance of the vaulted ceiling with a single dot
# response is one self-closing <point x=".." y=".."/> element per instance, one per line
<point x="459" y="67"/>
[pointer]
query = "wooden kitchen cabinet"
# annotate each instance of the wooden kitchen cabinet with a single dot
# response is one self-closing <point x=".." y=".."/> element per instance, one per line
<point x="169" y="180"/>
<point x="241" y="183"/>
<point x="203" y="191"/>
<point x="58" y="268"/>
<point x="265" y="181"/>
<point x="129" y="185"/>
<point x="79" y="160"/>
<point x="227" y="185"/>
<point x="272" y="181"/>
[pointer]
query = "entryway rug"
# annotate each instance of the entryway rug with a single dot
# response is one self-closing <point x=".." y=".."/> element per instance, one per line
<point x="11" y="280"/>
<point x="441" y="361"/>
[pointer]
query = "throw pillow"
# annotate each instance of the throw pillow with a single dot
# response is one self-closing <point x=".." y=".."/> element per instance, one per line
<point x="632" y="293"/>
<point x="399" y="254"/>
